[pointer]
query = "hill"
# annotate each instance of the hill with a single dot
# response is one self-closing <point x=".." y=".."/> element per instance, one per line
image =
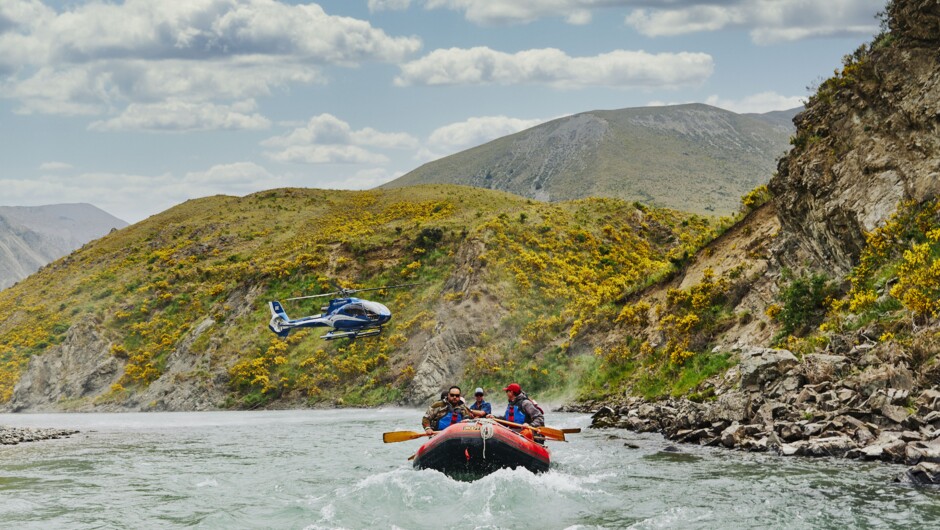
<point x="171" y="314"/>
<point x="32" y="236"/>
<point x="695" y="157"/>
<point x="825" y="300"/>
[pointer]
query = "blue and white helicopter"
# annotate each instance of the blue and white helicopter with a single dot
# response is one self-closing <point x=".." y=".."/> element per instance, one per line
<point x="348" y="317"/>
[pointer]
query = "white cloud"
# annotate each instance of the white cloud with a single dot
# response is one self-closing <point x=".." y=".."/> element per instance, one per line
<point x="620" y="68"/>
<point x="757" y="103"/>
<point x="217" y="28"/>
<point x="388" y="5"/>
<point x="327" y="154"/>
<point x="475" y="131"/>
<point x="19" y="20"/>
<point x="768" y="21"/>
<point x="495" y="12"/>
<point x="174" y="115"/>
<point x="326" y="139"/>
<point x="55" y="166"/>
<point x="100" y="57"/>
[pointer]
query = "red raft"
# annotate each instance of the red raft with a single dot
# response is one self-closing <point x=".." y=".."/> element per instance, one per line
<point x="481" y="447"/>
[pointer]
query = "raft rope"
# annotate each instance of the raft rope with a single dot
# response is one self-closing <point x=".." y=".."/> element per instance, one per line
<point x="487" y="430"/>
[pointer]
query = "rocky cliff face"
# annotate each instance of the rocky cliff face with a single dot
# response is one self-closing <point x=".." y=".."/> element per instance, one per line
<point x="867" y="140"/>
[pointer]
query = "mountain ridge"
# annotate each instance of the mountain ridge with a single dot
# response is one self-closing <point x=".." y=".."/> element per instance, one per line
<point x="692" y="157"/>
<point x="32" y="236"/>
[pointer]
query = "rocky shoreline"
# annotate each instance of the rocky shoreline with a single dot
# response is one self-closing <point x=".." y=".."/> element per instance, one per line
<point x="850" y="406"/>
<point x="16" y="435"/>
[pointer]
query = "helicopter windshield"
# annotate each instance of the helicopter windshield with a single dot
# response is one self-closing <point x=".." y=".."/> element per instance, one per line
<point x="375" y="309"/>
<point x="354" y="310"/>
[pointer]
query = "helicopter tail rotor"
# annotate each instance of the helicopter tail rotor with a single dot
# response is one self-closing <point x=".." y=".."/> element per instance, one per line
<point x="278" y="320"/>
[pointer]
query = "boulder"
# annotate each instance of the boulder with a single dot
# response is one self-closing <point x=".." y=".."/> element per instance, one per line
<point x="924" y="474"/>
<point x="759" y="365"/>
<point x="928" y="401"/>
<point x="888" y="446"/>
<point x="895" y="413"/>
<point x="604" y="417"/>
<point x="918" y="452"/>
<point x="818" y="367"/>
<point x="733" y="407"/>
<point x="830" y="446"/>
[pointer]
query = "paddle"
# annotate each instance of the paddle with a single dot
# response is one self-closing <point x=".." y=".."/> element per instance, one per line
<point x="548" y="432"/>
<point x="403" y="436"/>
<point x="574" y="430"/>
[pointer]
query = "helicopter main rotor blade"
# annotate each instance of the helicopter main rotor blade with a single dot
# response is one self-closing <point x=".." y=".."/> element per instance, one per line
<point x="382" y="288"/>
<point x="311" y="296"/>
<point x="347" y="292"/>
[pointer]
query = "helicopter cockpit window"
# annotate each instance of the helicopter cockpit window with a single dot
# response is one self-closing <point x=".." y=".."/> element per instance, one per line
<point x="354" y="310"/>
<point x="374" y="311"/>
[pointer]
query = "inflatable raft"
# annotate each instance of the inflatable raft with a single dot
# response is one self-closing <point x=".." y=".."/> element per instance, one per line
<point x="481" y="447"/>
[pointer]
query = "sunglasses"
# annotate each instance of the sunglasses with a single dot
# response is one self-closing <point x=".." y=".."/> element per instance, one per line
<point x="454" y="395"/>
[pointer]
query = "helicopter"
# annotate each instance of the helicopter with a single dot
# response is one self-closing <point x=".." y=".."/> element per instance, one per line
<point x="348" y="317"/>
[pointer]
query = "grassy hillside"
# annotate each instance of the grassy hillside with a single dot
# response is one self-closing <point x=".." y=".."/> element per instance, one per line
<point x="195" y="280"/>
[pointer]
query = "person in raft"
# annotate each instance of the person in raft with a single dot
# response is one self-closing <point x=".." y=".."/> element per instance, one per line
<point x="520" y="408"/>
<point x="479" y="405"/>
<point x="442" y="414"/>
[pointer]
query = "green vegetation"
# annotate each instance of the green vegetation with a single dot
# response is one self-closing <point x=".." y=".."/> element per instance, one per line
<point x="212" y="264"/>
<point x="894" y="288"/>
<point x="804" y="301"/>
<point x="688" y="321"/>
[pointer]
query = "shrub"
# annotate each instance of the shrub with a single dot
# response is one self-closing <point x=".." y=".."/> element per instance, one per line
<point x="804" y="303"/>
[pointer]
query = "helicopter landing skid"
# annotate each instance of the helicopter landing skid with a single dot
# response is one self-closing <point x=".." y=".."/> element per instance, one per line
<point x="352" y="334"/>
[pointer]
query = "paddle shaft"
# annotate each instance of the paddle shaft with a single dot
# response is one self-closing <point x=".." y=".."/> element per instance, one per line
<point x="548" y="432"/>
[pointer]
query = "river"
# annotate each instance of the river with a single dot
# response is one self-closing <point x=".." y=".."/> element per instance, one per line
<point x="330" y="469"/>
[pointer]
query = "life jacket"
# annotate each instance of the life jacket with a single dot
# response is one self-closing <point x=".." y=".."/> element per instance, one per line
<point x="449" y="419"/>
<point x="514" y="414"/>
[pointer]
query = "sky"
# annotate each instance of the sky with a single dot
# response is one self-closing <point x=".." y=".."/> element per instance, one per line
<point x="139" y="105"/>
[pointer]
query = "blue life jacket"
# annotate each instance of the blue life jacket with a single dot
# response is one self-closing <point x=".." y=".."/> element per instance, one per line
<point x="449" y="419"/>
<point x="514" y="414"/>
<point x="483" y="405"/>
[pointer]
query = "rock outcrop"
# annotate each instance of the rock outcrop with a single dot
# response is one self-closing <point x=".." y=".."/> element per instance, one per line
<point x="81" y="367"/>
<point x="813" y="408"/>
<point x="441" y="353"/>
<point x="867" y="140"/>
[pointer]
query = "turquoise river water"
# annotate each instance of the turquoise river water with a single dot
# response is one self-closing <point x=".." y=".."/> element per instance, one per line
<point x="330" y="469"/>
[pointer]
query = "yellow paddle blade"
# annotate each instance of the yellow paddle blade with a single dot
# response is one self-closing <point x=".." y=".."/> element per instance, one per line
<point x="551" y="434"/>
<point x="573" y="430"/>
<point x="401" y="436"/>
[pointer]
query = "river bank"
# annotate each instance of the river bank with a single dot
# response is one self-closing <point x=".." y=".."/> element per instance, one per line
<point x="859" y="406"/>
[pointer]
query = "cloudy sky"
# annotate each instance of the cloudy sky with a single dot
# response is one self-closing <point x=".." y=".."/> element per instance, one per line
<point x="136" y="106"/>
